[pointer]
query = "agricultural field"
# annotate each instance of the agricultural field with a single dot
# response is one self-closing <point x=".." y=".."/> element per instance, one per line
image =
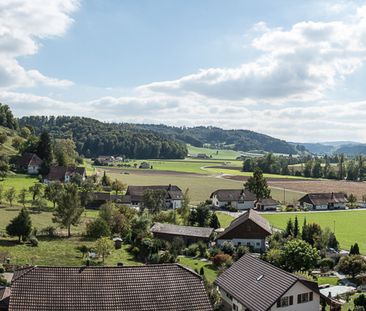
<point x="200" y="186"/>
<point x="349" y="226"/>
<point x="18" y="181"/>
<point x="214" y="153"/>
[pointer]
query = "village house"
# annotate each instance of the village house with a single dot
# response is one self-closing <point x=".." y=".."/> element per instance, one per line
<point x="165" y="287"/>
<point x="267" y="205"/>
<point x="64" y="174"/>
<point x="240" y="199"/>
<point x="97" y="199"/>
<point x="323" y="201"/>
<point x="29" y="163"/>
<point x="249" y="229"/>
<point x="251" y="284"/>
<point x="104" y="160"/>
<point x="134" y="195"/>
<point x="189" y="234"/>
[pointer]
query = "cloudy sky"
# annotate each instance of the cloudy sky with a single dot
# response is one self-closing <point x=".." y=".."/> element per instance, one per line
<point x="288" y="69"/>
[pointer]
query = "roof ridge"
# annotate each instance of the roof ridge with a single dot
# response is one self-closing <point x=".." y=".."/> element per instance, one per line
<point x="29" y="269"/>
<point x="189" y="270"/>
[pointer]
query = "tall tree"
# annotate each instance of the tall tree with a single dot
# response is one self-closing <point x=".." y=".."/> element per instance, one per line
<point x="118" y="186"/>
<point x="21" y="225"/>
<point x="36" y="191"/>
<point x="214" y="221"/>
<point x="53" y="191"/>
<point x="103" y="247"/>
<point x="68" y="209"/>
<point x="154" y="200"/>
<point x="44" y="149"/>
<point x="296" y="228"/>
<point x="258" y="185"/>
<point x="185" y="209"/>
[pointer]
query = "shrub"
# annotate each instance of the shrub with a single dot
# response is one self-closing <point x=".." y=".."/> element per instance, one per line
<point x="154" y="258"/>
<point x="98" y="228"/>
<point x="2" y="269"/>
<point x="213" y="251"/>
<point x="33" y="241"/>
<point x="228" y="248"/>
<point x="50" y="231"/>
<point x="221" y="260"/>
<point x="135" y="251"/>
<point x="202" y="249"/>
<point x="202" y="271"/>
<point x="240" y="251"/>
<point x="191" y="250"/>
<point x="326" y="264"/>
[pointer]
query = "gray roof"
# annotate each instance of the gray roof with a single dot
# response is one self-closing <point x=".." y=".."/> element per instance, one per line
<point x="141" y="288"/>
<point x="268" y="202"/>
<point x="240" y="195"/>
<point x="248" y="215"/>
<point x="258" y="284"/>
<point x="199" y="232"/>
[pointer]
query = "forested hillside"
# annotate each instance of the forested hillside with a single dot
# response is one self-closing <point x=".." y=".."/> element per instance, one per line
<point x="94" y="138"/>
<point x="243" y="140"/>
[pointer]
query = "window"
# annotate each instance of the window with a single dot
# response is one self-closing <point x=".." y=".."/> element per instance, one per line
<point x="235" y="307"/>
<point x="305" y="297"/>
<point x="229" y="296"/>
<point x="285" y="301"/>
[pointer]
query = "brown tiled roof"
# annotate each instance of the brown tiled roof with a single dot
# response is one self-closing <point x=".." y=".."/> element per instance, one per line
<point x="199" y="232"/>
<point x="258" y="284"/>
<point x="144" y="288"/>
<point x="324" y="198"/>
<point x="248" y="215"/>
<point x="135" y="193"/>
<point x="4" y="298"/>
<point x="28" y="159"/>
<point x="240" y="195"/>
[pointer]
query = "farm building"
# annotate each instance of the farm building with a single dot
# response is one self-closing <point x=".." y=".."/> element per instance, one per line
<point x="248" y="229"/>
<point x="64" y="174"/>
<point x="255" y="285"/>
<point x="29" y="163"/>
<point x="323" y="201"/>
<point x="267" y="205"/>
<point x="134" y="195"/>
<point x="153" y="287"/>
<point x="189" y="234"/>
<point x="240" y="199"/>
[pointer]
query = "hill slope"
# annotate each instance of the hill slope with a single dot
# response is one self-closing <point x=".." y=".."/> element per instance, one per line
<point x="240" y="140"/>
<point x="7" y="149"/>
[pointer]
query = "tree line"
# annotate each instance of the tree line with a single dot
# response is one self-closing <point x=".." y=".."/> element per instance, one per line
<point x="93" y="138"/>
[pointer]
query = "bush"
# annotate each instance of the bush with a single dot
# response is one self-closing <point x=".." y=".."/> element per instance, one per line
<point x="213" y="251"/>
<point x="221" y="260"/>
<point x="135" y="251"/>
<point x="202" y="249"/>
<point x="50" y="231"/>
<point x="191" y="250"/>
<point x="2" y="269"/>
<point x="326" y="264"/>
<point x="228" y="248"/>
<point x="98" y="228"/>
<point x="33" y="241"/>
<point x="240" y="251"/>
<point x="231" y="208"/>
<point x="154" y="258"/>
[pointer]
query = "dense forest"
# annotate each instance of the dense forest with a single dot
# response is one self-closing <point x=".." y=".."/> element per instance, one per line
<point x="242" y="140"/>
<point x="94" y="138"/>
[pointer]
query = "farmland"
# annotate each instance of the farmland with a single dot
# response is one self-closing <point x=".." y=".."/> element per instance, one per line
<point x="214" y="153"/>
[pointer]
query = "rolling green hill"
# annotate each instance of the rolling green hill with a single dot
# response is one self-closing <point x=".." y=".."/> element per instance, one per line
<point x="7" y="149"/>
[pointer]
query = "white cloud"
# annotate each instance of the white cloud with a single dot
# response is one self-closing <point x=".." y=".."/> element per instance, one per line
<point x="22" y="24"/>
<point x="296" y="64"/>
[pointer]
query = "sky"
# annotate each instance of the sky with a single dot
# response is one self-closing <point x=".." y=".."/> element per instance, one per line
<point x="293" y="70"/>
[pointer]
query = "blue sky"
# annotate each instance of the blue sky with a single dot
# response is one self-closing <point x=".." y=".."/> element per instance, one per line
<point x="288" y="69"/>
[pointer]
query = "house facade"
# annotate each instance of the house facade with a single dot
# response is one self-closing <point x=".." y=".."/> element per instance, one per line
<point x="189" y="234"/>
<point x="240" y="199"/>
<point x="249" y="229"/>
<point x="64" y="174"/>
<point x="251" y="284"/>
<point x="29" y="163"/>
<point x="134" y="195"/>
<point x="323" y="201"/>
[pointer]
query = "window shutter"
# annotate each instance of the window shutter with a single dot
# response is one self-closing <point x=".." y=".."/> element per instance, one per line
<point x="291" y="300"/>
<point x="299" y="298"/>
<point x="279" y="303"/>
<point x="311" y="296"/>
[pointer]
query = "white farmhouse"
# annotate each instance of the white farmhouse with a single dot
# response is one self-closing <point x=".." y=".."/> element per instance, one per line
<point x="240" y="199"/>
<point x="323" y="201"/>
<point x="251" y="284"/>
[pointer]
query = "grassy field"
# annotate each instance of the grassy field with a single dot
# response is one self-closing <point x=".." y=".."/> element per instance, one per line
<point x="331" y="280"/>
<point x="214" y="153"/>
<point x="224" y="219"/>
<point x="18" y="181"/>
<point x="7" y="148"/>
<point x="59" y="252"/>
<point x="196" y="264"/>
<point x="349" y="225"/>
<point x="41" y="220"/>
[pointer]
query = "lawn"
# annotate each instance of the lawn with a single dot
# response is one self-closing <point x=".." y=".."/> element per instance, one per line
<point x="195" y="264"/>
<point x="18" y="181"/>
<point x="59" y="252"/>
<point x="331" y="280"/>
<point x="224" y="219"/>
<point x="349" y="226"/>
<point x="214" y="153"/>
<point x="43" y="219"/>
